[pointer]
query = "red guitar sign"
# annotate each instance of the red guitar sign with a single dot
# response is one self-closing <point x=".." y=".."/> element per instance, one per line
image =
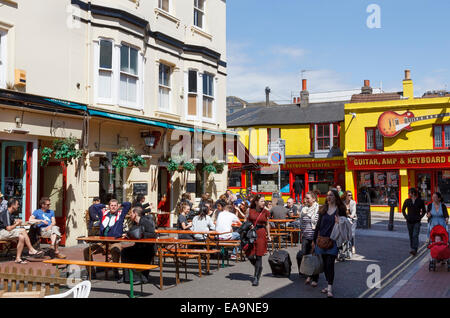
<point x="390" y="123"/>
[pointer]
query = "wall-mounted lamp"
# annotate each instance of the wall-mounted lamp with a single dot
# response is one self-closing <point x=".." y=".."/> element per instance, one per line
<point x="18" y="122"/>
<point x="353" y="115"/>
<point x="151" y="138"/>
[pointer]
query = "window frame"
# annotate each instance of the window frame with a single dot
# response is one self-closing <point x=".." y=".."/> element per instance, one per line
<point x="210" y="97"/>
<point x="374" y="139"/>
<point x="203" y="14"/>
<point x="190" y="93"/>
<point x="112" y="71"/>
<point x="331" y="137"/>
<point x="443" y="139"/>
<point x="123" y="102"/>
<point x="160" y="7"/>
<point x="163" y="86"/>
<point x="3" y="57"/>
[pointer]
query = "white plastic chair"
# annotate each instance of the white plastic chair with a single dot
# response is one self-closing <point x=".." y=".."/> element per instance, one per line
<point x="81" y="290"/>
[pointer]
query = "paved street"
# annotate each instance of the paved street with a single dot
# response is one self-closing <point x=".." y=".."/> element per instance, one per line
<point x="374" y="246"/>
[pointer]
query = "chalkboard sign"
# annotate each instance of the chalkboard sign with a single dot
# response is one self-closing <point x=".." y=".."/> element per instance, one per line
<point x="140" y="188"/>
<point x="363" y="215"/>
<point x="190" y="187"/>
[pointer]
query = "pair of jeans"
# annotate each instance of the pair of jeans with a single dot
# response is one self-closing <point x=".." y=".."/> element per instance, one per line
<point x="298" y="197"/>
<point x="414" y="231"/>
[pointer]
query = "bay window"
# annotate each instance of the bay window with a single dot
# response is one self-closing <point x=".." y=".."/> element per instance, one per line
<point x="192" y="93"/>
<point x="3" y="61"/>
<point x="163" y="5"/>
<point x="105" y="71"/>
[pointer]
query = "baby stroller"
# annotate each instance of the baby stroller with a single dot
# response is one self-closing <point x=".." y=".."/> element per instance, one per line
<point x="439" y="247"/>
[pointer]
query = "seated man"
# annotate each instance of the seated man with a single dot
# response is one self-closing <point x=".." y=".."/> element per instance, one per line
<point x="293" y="210"/>
<point x="111" y="225"/>
<point x="9" y="231"/>
<point x="94" y="220"/>
<point x="224" y="223"/>
<point x="139" y="253"/>
<point x="46" y="222"/>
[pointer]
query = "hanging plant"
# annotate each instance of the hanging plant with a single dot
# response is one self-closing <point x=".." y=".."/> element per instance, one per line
<point x="219" y="166"/>
<point x="62" y="149"/>
<point x="210" y="168"/>
<point x="127" y="157"/>
<point x="173" y="165"/>
<point x="189" y="166"/>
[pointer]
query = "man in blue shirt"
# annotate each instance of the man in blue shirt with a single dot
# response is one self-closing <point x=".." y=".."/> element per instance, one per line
<point x="45" y="218"/>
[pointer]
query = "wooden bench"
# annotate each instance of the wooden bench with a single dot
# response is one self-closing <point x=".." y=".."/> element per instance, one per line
<point x="129" y="266"/>
<point x="185" y="257"/>
<point x="223" y="244"/>
<point x="6" y="245"/>
<point x="279" y="234"/>
<point x="206" y="253"/>
<point x="14" y="281"/>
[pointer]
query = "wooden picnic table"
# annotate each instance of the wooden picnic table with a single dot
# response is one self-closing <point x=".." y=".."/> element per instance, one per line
<point x="158" y="241"/>
<point x="278" y="223"/>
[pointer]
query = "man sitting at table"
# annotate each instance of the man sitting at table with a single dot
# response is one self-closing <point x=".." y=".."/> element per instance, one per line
<point x="111" y="225"/>
<point x="225" y="221"/>
<point x="9" y="231"/>
<point x="139" y="253"/>
<point x="46" y="222"/>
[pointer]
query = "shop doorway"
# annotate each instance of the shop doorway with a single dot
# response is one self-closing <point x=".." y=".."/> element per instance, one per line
<point x="301" y="177"/>
<point x="13" y="173"/>
<point x="163" y="197"/>
<point x="425" y="184"/>
<point x="53" y="184"/>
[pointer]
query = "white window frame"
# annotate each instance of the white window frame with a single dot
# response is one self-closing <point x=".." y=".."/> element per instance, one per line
<point x="201" y="11"/>
<point x="162" y="86"/>
<point x="3" y="58"/>
<point x="98" y="99"/>
<point x="138" y="76"/>
<point x="187" y="93"/>
<point x="169" y="4"/>
<point x="316" y="146"/>
<point x="213" y="102"/>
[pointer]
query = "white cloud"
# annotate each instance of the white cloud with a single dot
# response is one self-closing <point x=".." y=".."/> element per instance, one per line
<point x="248" y="77"/>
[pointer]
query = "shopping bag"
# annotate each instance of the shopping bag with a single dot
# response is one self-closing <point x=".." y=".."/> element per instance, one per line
<point x="311" y="265"/>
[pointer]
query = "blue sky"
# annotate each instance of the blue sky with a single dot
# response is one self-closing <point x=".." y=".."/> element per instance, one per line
<point x="270" y="42"/>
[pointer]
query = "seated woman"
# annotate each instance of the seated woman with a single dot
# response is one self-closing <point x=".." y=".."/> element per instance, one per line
<point x="183" y="223"/>
<point x="202" y="222"/>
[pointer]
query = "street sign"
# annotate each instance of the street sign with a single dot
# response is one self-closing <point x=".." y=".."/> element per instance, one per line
<point x="277" y="154"/>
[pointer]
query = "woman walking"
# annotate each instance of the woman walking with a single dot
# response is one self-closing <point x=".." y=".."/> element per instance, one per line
<point x="350" y="204"/>
<point x="259" y="216"/>
<point x="308" y="220"/>
<point x="323" y="244"/>
<point x="437" y="213"/>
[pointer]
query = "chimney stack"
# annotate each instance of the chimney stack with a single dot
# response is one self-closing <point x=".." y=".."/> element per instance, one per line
<point x="267" y="96"/>
<point x="366" y="89"/>
<point x="408" y="87"/>
<point x="304" y="95"/>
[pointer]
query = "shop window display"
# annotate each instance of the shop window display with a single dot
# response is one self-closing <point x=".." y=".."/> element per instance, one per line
<point x="443" y="183"/>
<point x="321" y="180"/>
<point x="377" y="187"/>
<point x="234" y="179"/>
<point x="111" y="180"/>
<point x="267" y="181"/>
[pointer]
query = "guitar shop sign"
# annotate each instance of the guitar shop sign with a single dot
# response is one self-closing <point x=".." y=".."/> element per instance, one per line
<point x="403" y="161"/>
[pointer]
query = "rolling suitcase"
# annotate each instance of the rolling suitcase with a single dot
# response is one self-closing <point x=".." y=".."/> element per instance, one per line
<point x="280" y="263"/>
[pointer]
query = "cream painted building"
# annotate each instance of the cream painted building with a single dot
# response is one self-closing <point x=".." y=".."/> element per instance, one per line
<point x="108" y="73"/>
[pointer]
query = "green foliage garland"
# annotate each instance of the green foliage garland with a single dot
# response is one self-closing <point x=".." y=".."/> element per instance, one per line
<point x="62" y="149"/>
<point x="127" y="157"/>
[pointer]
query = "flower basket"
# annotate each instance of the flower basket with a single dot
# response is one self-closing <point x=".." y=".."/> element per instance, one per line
<point x="210" y="168"/>
<point x="62" y="150"/>
<point x="127" y="157"/>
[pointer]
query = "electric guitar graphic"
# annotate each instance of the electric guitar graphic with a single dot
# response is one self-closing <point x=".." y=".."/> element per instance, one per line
<point x="390" y="123"/>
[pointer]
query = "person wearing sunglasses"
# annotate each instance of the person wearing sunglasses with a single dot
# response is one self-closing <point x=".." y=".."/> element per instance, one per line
<point x="351" y="215"/>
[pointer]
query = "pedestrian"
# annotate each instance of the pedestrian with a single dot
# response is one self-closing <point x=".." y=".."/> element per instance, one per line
<point x="309" y="215"/>
<point x="259" y="216"/>
<point x="437" y="213"/>
<point x="94" y="219"/>
<point x="269" y="205"/>
<point x="323" y="244"/>
<point x="350" y="204"/>
<point x="298" y="189"/>
<point x="416" y="211"/>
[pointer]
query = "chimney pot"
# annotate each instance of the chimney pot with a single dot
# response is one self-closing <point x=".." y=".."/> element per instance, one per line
<point x="303" y="84"/>
<point x="407" y="74"/>
<point x="366" y="83"/>
<point x="366" y="89"/>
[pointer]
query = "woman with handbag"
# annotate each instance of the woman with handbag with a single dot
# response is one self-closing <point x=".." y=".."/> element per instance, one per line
<point x="323" y="244"/>
<point x="308" y="220"/>
<point x="259" y="216"/>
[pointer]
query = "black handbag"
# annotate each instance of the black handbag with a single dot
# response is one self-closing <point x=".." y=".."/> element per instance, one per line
<point x="136" y="232"/>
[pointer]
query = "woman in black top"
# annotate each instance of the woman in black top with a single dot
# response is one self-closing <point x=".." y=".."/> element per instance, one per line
<point x="328" y="217"/>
